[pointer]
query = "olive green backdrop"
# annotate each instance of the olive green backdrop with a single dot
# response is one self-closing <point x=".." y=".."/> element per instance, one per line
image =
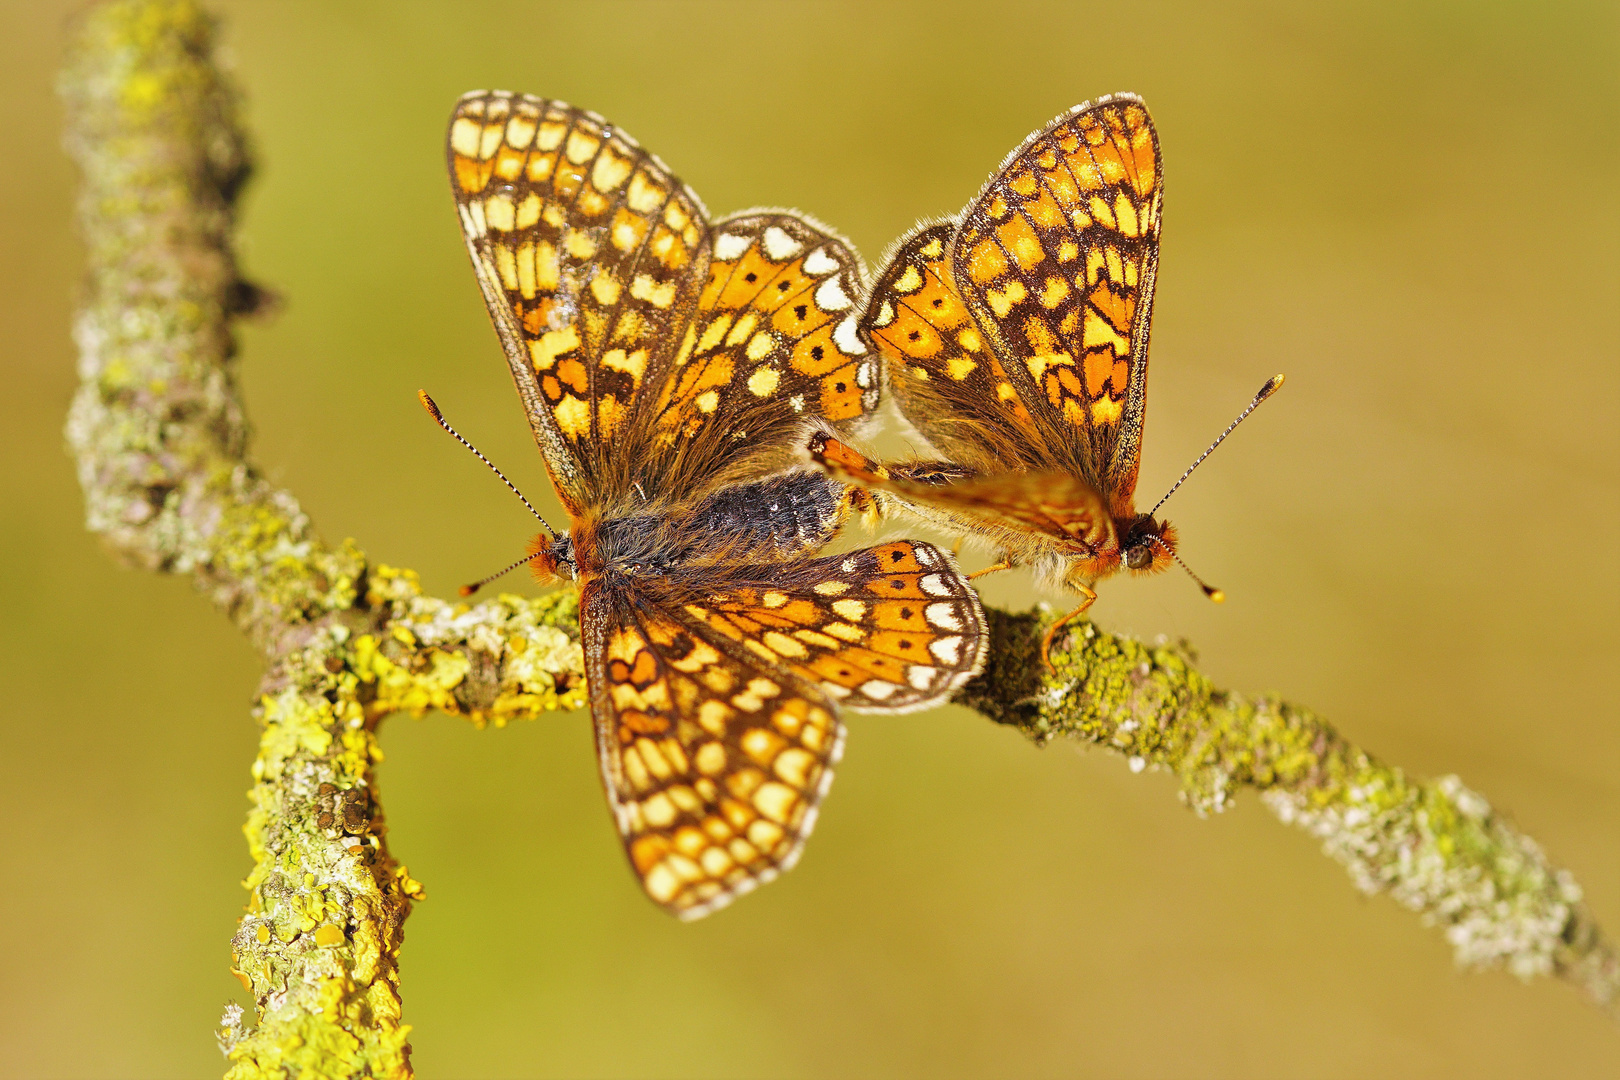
<point x="1412" y="209"/>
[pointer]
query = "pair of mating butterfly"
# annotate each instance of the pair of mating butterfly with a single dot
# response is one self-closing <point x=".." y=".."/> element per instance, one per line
<point x="675" y="370"/>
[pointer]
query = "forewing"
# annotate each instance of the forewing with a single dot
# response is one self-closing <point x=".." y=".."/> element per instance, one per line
<point x="773" y="344"/>
<point x="886" y="629"/>
<point x="1057" y="257"/>
<point x="714" y="762"/>
<point x="946" y="379"/>
<point x="590" y="255"/>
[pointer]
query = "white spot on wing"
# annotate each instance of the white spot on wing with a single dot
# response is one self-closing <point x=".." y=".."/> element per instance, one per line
<point x="847" y="340"/>
<point x="943" y="616"/>
<point x="728" y="246"/>
<point x="877" y="689"/>
<point x="830" y="296"/>
<point x="921" y="676"/>
<point x="947" y="650"/>
<point x="818" y="262"/>
<point x="934" y="585"/>
<point x="779" y="246"/>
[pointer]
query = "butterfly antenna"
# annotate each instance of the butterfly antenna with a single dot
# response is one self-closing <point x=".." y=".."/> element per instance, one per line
<point x="468" y="590"/>
<point x="433" y="411"/>
<point x="1209" y="590"/>
<point x="1265" y="391"/>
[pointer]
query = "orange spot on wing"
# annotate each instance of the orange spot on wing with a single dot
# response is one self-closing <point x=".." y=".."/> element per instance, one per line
<point x="897" y="558"/>
<point x="816" y="355"/>
<point x="748" y="279"/>
<point x="910" y="336"/>
<point x="573" y="375"/>
<point x="840" y="395"/>
<point x="471" y="174"/>
<point x="1118" y="310"/>
<point x="1099" y="365"/>
<point x="986" y="262"/>
<point x="1018" y="237"/>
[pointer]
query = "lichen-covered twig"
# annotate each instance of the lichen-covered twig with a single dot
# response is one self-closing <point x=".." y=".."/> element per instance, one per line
<point x="159" y="434"/>
<point x="1435" y="846"/>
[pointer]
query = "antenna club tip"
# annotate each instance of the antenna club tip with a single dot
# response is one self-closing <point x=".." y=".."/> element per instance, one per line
<point x="428" y="404"/>
<point x="1215" y="594"/>
<point x="1271" y="387"/>
<point x="467" y="590"/>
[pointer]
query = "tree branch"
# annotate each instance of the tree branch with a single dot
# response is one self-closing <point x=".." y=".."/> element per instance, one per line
<point x="160" y="437"/>
<point x="1436" y="847"/>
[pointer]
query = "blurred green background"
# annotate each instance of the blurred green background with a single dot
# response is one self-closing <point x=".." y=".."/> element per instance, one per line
<point x="1411" y="208"/>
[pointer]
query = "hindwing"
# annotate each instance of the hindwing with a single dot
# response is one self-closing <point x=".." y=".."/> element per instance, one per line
<point x="714" y="695"/>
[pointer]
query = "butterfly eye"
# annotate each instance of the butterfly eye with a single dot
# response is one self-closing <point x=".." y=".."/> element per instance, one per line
<point x="1139" y="557"/>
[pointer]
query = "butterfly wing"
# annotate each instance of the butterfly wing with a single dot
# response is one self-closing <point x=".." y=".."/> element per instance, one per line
<point x="590" y="255"/>
<point x="1056" y="258"/>
<point x="945" y="377"/>
<point x="649" y="347"/>
<point x="713" y="698"/>
<point x="714" y="764"/>
<point x="772" y="345"/>
<point x="886" y="629"/>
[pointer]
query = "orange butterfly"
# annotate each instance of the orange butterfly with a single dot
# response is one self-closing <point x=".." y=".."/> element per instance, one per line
<point x="1016" y="337"/>
<point x="668" y="365"/>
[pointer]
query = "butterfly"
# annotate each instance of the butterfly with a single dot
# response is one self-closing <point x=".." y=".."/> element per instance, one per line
<point x="669" y="365"/>
<point x="1016" y="339"/>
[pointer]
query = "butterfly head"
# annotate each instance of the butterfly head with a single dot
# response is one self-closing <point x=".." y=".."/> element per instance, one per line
<point x="551" y="561"/>
<point x="1147" y="546"/>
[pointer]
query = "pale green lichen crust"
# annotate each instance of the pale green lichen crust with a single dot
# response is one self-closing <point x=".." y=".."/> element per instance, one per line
<point x="320" y="945"/>
<point x="160" y="439"/>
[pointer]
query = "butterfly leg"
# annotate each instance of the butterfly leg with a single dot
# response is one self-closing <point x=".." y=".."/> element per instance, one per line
<point x="1004" y="564"/>
<point x="1051" y="631"/>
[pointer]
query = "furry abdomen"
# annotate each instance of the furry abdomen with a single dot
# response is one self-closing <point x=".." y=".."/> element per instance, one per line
<point x="777" y="518"/>
<point x="769" y="520"/>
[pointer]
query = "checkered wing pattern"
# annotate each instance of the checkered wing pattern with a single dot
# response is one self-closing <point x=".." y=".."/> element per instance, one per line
<point x="717" y="729"/>
<point x="772" y="343"/>
<point x="887" y="629"/>
<point x="1057" y="258"/>
<point x="648" y="346"/>
<point x="589" y="253"/>
<point x="945" y="376"/>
